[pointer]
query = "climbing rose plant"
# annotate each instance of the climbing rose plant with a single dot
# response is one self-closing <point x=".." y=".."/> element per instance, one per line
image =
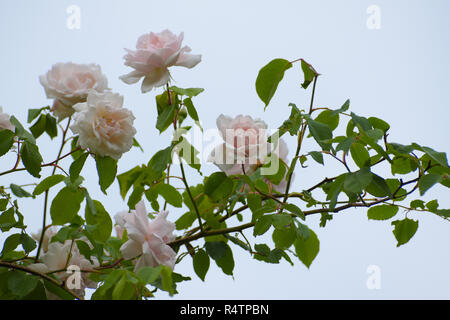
<point x="133" y="253"/>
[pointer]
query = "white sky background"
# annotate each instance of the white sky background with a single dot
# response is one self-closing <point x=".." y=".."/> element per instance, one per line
<point x="398" y="73"/>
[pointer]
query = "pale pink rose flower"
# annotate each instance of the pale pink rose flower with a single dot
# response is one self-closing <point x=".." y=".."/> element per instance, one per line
<point x="57" y="258"/>
<point x="48" y="235"/>
<point x="5" y="124"/>
<point x="69" y="83"/>
<point x="103" y="125"/>
<point x="154" y="54"/>
<point x="245" y="146"/>
<point x="147" y="239"/>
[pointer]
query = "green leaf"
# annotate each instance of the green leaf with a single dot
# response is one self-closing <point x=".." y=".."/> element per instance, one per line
<point x="158" y="163"/>
<point x="166" y="117"/>
<point x="107" y="170"/>
<point x="281" y="220"/>
<point x="123" y="289"/>
<point x="295" y="210"/>
<point x="335" y="190"/>
<point x="292" y="125"/>
<point x="417" y="204"/>
<point x="403" y="165"/>
<point x="404" y="230"/>
<point x="379" y="124"/>
<point x="226" y="262"/>
<point x="201" y="264"/>
<point x="345" y="145"/>
<point x="20" y="131"/>
<point x="47" y="183"/>
<point x="254" y="203"/>
<point x="269" y="77"/>
<point x="427" y="181"/>
<point x="7" y="220"/>
<point x="190" y="92"/>
<point x="33" y="114"/>
<point x="186" y="220"/>
<point x="6" y="141"/>
<point x="101" y="219"/>
<point x="321" y="132"/>
<point x="327" y="117"/>
<point x="263" y="253"/>
<point x="11" y="243"/>
<point x="268" y="170"/>
<point x="378" y="187"/>
<point x="127" y="179"/>
<point x="262" y="225"/>
<point x="149" y="275"/>
<point x="400" y="148"/>
<point x="21" y="284"/>
<point x="31" y="158"/>
<point x="135" y="196"/>
<point x="317" y="156"/>
<point x="432" y="205"/>
<point x="308" y="72"/>
<point x="38" y="128"/>
<point x="50" y="126"/>
<point x="439" y="157"/>
<point x="362" y="123"/>
<point x="74" y="145"/>
<point x="77" y="166"/>
<point x="65" y="205"/>
<point x="382" y="212"/>
<point x="343" y="108"/>
<point x="215" y="249"/>
<point x="360" y="155"/>
<point x="355" y="182"/>
<point x="190" y="108"/>
<point x="170" y="194"/>
<point x="167" y="280"/>
<point x="308" y="249"/>
<point x="218" y="186"/>
<point x="19" y="191"/>
<point x="28" y="243"/>
<point x="284" y="238"/>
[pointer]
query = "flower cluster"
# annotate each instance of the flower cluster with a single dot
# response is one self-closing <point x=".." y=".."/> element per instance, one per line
<point x="69" y="83"/>
<point x="147" y="240"/>
<point x="59" y="257"/>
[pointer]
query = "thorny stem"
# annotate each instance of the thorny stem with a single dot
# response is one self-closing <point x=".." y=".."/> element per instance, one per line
<point x="299" y="145"/>
<point x="44" y="219"/>
<point x="192" y="235"/>
<point x="191" y="197"/>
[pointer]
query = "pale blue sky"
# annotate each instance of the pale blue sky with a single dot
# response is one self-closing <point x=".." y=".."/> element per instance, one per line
<point x="398" y="73"/>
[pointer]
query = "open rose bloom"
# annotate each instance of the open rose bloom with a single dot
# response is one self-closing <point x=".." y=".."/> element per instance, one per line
<point x="154" y="54"/>
<point x="103" y="125"/>
<point x="60" y="256"/>
<point x="69" y="83"/>
<point x="245" y="146"/>
<point x="147" y="239"/>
